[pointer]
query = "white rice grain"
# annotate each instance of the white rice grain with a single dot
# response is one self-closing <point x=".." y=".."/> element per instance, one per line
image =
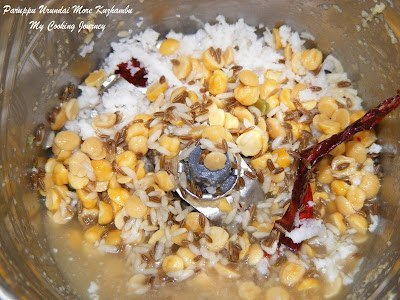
<point x="178" y="207"/>
<point x="186" y="152"/>
<point x="181" y="275"/>
<point x="162" y="150"/>
<point x="225" y="95"/>
<point x="129" y="172"/>
<point x="159" y="251"/>
<point x="273" y="111"/>
<point x="194" y="249"/>
<point x="149" y="271"/>
<point x="178" y="232"/>
<point x="245" y="219"/>
<point x="260" y="234"/>
<point x="153" y="204"/>
<point x="141" y="249"/>
<point x="155" y="136"/>
<point x="277" y="142"/>
<point x="202" y="118"/>
<point x="107" y="248"/>
<point x="207" y="144"/>
<point x="266" y="184"/>
<point x="181" y="216"/>
<point x="164" y="201"/>
<point x="231" y="215"/>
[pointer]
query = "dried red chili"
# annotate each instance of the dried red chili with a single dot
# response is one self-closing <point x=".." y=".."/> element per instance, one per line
<point x="311" y="156"/>
<point x="138" y="78"/>
<point x="307" y="211"/>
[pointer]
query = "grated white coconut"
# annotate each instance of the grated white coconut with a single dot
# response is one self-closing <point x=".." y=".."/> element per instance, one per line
<point x="309" y="228"/>
<point x="338" y="248"/>
<point x="375" y="148"/>
<point x="374" y="223"/>
<point x="93" y="290"/>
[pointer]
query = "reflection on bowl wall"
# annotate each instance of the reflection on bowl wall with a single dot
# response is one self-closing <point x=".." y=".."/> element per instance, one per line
<point x="35" y="64"/>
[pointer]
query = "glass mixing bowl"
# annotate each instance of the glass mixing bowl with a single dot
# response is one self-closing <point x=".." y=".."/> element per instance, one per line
<point x="34" y="66"/>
